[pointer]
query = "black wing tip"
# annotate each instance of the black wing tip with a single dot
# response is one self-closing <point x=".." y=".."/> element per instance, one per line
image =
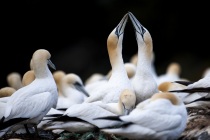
<point x="53" y="115"/>
<point x="11" y="122"/>
<point x="114" y="118"/>
<point x="186" y="83"/>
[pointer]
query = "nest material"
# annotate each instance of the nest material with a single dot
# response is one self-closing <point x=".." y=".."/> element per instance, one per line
<point x="198" y="124"/>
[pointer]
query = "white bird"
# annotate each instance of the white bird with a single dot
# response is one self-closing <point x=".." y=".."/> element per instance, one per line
<point x="29" y="104"/>
<point x="73" y="91"/>
<point x="199" y="90"/>
<point x="95" y="77"/>
<point x="119" y="80"/>
<point x="124" y="106"/>
<point x="103" y="79"/>
<point x="82" y="114"/>
<point x="163" y="116"/>
<point x="173" y="72"/>
<point x="143" y="82"/>
<point x="44" y="121"/>
<point x="2" y="109"/>
<point x="168" y="86"/>
<point x="14" y="80"/>
<point x="5" y="93"/>
<point x="134" y="60"/>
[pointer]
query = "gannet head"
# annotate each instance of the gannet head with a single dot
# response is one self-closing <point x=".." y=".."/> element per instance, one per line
<point x="167" y="95"/>
<point x="164" y="86"/>
<point x="28" y="77"/>
<point x="143" y="36"/>
<point x="174" y="68"/>
<point x="58" y="75"/>
<point x="130" y="69"/>
<point x="42" y="55"/>
<point x="73" y="80"/>
<point x="117" y="34"/>
<point x="14" y="80"/>
<point x="134" y="59"/>
<point x="6" y="91"/>
<point x="127" y="101"/>
<point x="94" y="77"/>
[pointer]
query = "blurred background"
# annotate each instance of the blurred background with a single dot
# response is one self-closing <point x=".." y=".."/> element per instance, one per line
<point x="76" y="32"/>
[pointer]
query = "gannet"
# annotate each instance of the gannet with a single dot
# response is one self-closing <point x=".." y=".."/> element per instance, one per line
<point x="199" y="90"/>
<point x="143" y="82"/>
<point x="91" y="86"/>
<point x="29" y="104"/>
<point x="14" y="80"/>
<point x="82" y="114"/>
<point x="163" y="116"/>
<point x="5" y="93"/>
<point x="168" y="86"/>
<point x="119" y="80"/>
<point x="95" y="77"/>
<point x="124" y="106"/>
<point x="134" y="60"/>
<point x="73" y="91"/>
<point x="173" y="72"/>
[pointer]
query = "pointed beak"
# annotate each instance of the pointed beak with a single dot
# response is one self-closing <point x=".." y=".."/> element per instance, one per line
<point x="81" y="88"/>
<point x="49" y="62"/>
<point x="121" y="26"/>
<point x="127" y="111"/>
<point x="137" y="25"/>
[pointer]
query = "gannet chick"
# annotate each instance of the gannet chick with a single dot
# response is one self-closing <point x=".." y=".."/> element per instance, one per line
<point x="143" y="82"/>
<point x="73" y="91"/>
<point x="6" y="91"/>
<point x="163" y="116"/>
<point x="29" y="104"/>
<point x="119" y="80"/>
<point x="14" y="80"/>
<point x="124" y="106"/>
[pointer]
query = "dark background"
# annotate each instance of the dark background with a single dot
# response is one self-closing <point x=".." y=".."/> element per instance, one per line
<point x="76" y="32"/>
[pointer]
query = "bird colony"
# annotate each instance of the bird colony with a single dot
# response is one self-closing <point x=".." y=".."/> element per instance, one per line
<point x="131" y="101"/>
